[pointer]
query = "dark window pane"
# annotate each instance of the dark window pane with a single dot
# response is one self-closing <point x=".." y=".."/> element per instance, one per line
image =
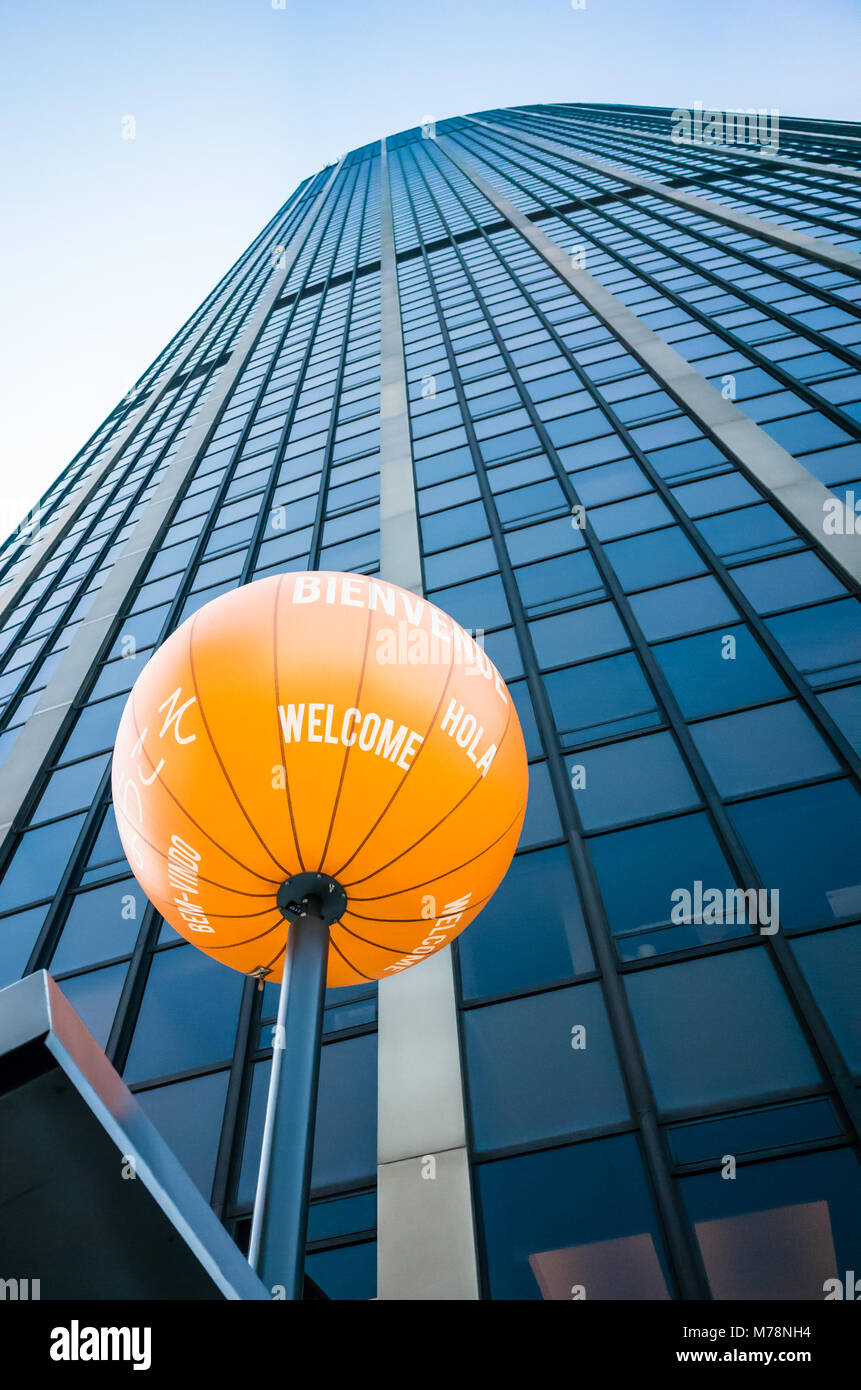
<point x="345" y="1140"/>
<point x="195" y="1144"/>
<point x="785" y="581"/>
<point x="710" y="674"/>
<point x="528" y="1080"/>
<point x="831" y="961"/>
<point x="823" y="642"/>
<point x="749" y="1042"/>
<point x="631" y="779"/>
<point x="762" y="748"/>
<point x="102" y="922"/>
<point x="844" y="706"/>
<point x="680" y="608"/>
<point x="601" y="698"/>
<point x="70" y="788"/>
<point x="38" y="863"/>
<point x="523" y="704"/>
<point x="577" y="635"/>
<point x="542" y="818"/>
<point x="18" y="934"/>
<point x="551" y="583"/>
<point x="95" y="728"/>
<point x="572" y="1218"/>
<point x="342" y="1216"/>
<point x="639" y="870"/>
<point x="95" y="997"/>
<point x="807" y="844"/>
<point x="347" y="1272"/>
<point x="655" y="558"/>
<point x="478" y="604"/>
<point x="530" y="933"/>
<point x="781" y="1229"/>
<point x="772" y="1127"/>
<point x="188" y="1015"/>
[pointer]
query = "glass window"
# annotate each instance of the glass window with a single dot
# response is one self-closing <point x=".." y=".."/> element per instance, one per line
<point x="679" y="608"/>
<point x="752" y="1131"/>
<point x="578" y="634"/>
<point x="95" y="728"/>
<point x="654" y="558"/>
<point x="718" y="671"/>
<point x="345" y="1139"/>
<point x="749" y="1042"/>
<point x="631" y="779"/>
<point x="347" y="1272"/>
<point x="530" y="933"/>
<point x="18" y="934"/>
<point x="658" y="859"/>
<point x="523" y="704"/>
<point x="782" y="1229"/>
<point x="188" y="1014"/>
<point x="831" y="961"/>
<point x="120" y="675"/>
<point x="542" y="818"/>
<point x="70" y="788"/>
<point x="106" y="851"/>
<point x="807" y="845"/>
<point x="95" y="996"/>
<point x="341" y="1216"/>
<point x="766" y="747"/>
<point x="716" y="494"/>
<point x="462" y="562"/>
<point x="559" y="536"/>
<point x="503" y="650"/>
<point x="572" y="1222"/>
<point x="195" y="1144"/>
<point x="787" y="580"/>
<point x="541" y="1067"/>
<point x="453" y="526"/>
<point x="535" y="500"/>
<point x="626" y="518"/>
<point x="823" y="642"/>
<point x="744" y="534"/>
<point x="38" y="863"/>
<point x="478" y="604"/>
<point x="609" y="481"/>
<point x="844" y="706"/>
<point x="549" y="584"/>
<point x="102" y="922"/>
<point x="600" y="698"/>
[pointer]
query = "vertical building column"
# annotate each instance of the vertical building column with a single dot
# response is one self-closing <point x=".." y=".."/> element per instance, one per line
<point x="426" y="1229"/>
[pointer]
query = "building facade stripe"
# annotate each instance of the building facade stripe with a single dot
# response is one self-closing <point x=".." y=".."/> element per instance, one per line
<point x="740" y="152"/>
<point x="426" y="1230"/>
<point x="836" y="257"/>
<point x="801" y="495"/>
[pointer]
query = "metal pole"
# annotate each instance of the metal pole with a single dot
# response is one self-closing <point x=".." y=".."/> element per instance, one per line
<point x="277" y="1248"/>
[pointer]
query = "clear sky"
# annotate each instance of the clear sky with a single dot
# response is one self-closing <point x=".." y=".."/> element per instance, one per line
<point x="107" y="244"/>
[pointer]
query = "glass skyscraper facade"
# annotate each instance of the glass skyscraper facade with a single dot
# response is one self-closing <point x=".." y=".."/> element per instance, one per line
<point x="595" y="392"/>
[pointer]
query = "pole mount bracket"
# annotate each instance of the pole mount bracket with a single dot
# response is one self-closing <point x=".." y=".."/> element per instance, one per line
<point x="311" y="895"/>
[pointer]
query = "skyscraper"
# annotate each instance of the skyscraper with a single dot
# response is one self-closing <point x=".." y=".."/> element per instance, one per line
<point x="586" y="377"/>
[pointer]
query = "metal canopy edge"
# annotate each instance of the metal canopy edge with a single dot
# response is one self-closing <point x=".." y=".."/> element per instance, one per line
<point x="71" y="1216"/>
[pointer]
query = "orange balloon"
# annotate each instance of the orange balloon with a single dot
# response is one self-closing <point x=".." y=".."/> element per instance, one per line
<point x="320" y="723"/>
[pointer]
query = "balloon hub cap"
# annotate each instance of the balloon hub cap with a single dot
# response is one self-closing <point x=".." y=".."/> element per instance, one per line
<point x="311" y="895"/>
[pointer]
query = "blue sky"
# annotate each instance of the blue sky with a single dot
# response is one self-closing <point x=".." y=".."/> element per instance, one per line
<point x="106" y="244"/>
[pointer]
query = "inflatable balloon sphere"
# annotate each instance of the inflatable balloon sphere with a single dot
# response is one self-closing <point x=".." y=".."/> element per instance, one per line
<point x="320" y="723"/>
